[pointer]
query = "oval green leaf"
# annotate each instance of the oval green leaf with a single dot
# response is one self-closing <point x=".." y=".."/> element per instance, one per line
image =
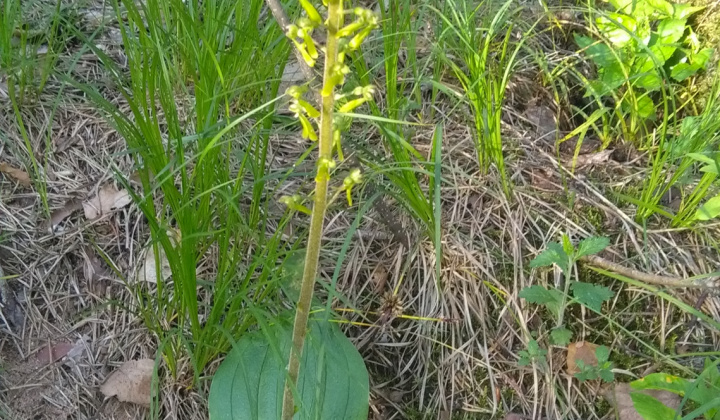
<point x="333" y="382"/>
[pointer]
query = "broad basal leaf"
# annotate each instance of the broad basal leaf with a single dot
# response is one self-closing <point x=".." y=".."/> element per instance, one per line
<point x="333" y="382"/>
<point x="592" y="245"/>
<point x="650" y="408"/>
<point x="662" y="381"/>
<point x="591" y="295"/>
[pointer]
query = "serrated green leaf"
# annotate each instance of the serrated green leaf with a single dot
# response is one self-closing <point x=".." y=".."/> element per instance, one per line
<point x="591" y="295"/>
<point x="684" y="10"/>
<point x="712" y="165"/>
<point x="644" y="108"/>
<point x="607" y="375"/>
<point x="671" y="30"/>
<point x="560" y="336"/>
<point x="709" y="210"/>
<point x="702" y="57"/>
<point x="612" y="77"/>
<point x="650" y="408"/>
<point x="624" y="6"/>
<point x="599" y="52"/>
<point x="660" y="6"/>
<point x="551" y="298"/>
<point x="333" y="382"/>
<point x="618" y="28"/>
<point x="645" y="73"/>
<point x="661" y="53"/>
<point x="682" y="71"/>
<point x="592" y="245"/>
<point x="554" y="254"/>
<point x="602" y="353"/>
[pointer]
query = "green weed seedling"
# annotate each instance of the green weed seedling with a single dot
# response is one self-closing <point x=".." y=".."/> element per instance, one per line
<point x="533" y="354"/>
<point x="488" y="58"/>
<point x="675" y="160"/>
<point x="703" y="392"/>
<point x="565" y="256"/>
<point x="603" y="370"/>
<point x="262" y="377"/>
<point x="643" y="46"/>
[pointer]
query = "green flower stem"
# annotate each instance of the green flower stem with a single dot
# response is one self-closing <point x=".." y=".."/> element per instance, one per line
<point x="334" y="22"/>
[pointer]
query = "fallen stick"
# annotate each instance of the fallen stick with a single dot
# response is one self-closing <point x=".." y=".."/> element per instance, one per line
<point x="282" y="19"/>
<point x="667" y="281"/>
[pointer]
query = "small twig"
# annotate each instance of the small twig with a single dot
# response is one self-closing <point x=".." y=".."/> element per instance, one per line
<point x="282" y="19"/>
<point x="667" y="281"/>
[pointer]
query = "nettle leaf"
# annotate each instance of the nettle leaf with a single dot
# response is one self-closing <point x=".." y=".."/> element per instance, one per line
<point x="554" y="254"/>
<point x="645" y="107"/>
<point x="684" y="10"/>
<point x="591" y="295"/>
<point x="709" y="210"/>
<point x="592" y="245"/>
<point x="333" y="382"/>
<point x="645" y="73"/>
<point x="618" y="28"/>
<point x="650" y="408"/>
<point x="671" y="30"/>
<point x="661" y="53"/>
<point x="712" y="164"/>
<point x="607" y="375"/>
<point x="612" y="77"/>
<point x="551" y="298"/>
<point x="599" y="52"/>
<point x="702" y="57"/>
<point x="602" y="353"/>
<point x="682" y="71"/>
<point x="560" y="336"/>
<point x="660" y="6"/>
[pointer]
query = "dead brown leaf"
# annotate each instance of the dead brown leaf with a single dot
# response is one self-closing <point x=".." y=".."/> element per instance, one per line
<point x="542" y="179"/>
<point x="581" y="350"/>
<point x="18" y="175"/>
<point x="379" y="278"/>
<point x="51" y="353"/>
<point x="148" y="269"/>
<point x="131" y="382"/>
<point x="589" y="159"/>
<point x="543" y="120"/>
<point x="588" y="145"/>
<point x="63" y="212"/>
<point x="618" y="395"/>
<point x="96" y="274"/>
<point x="108" y="198"/>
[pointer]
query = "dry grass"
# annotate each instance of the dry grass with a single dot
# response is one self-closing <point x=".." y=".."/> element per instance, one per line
<point x="436" y="348"/>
